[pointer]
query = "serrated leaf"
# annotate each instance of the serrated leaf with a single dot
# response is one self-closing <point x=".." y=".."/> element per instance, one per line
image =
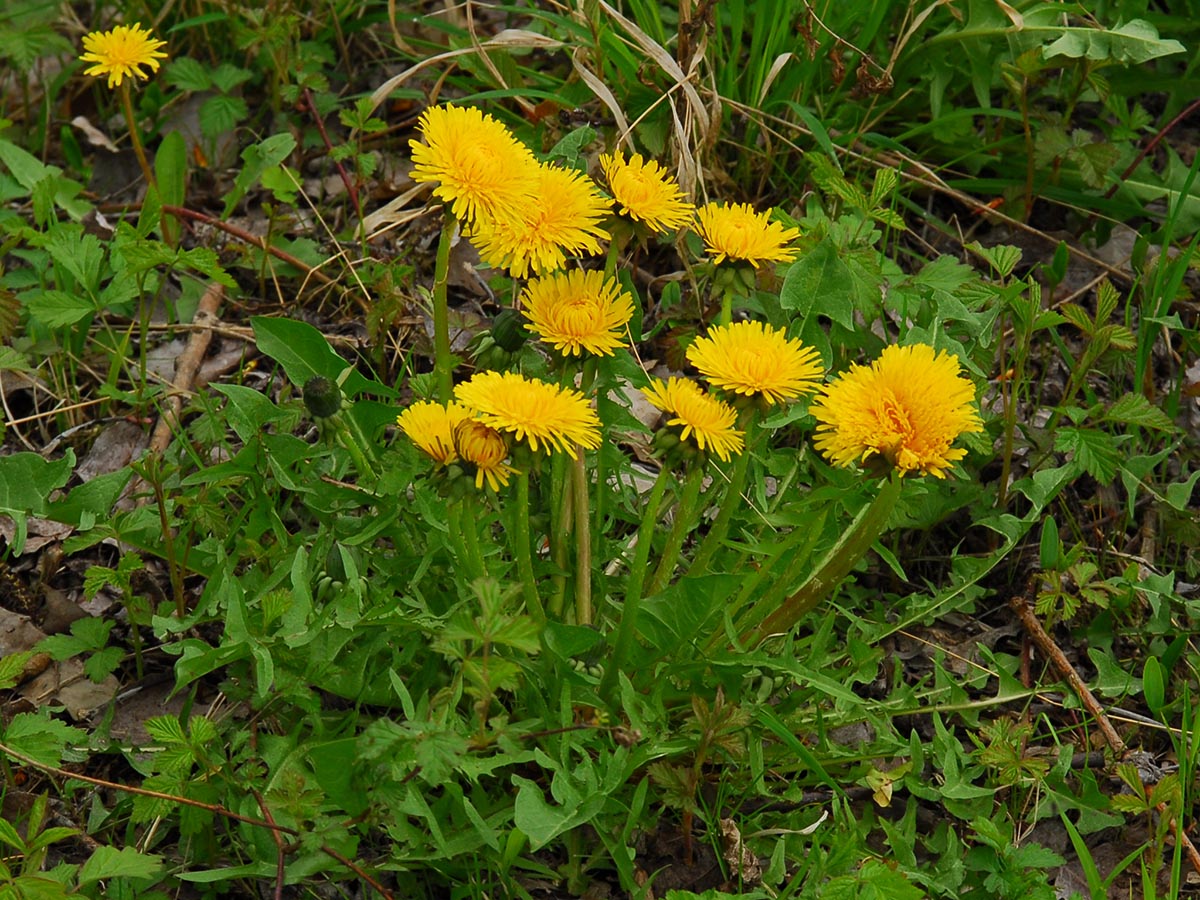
<point x="1095" y="161"/>
<point x="109" y="862"/>
<point x="1135" y="409"/>
<point x="13" y="360"/>
<point x="1107" y="299"/>
<point x="166" y="730"/>
<point x="883" y="186"/>
<point x="1003" y="258"/>
<point x="58" y="309"/>
<point x="1077" y="316"/>
<point x="103" y="663"/>
<point x="187" y="74"/>
<point x="1092" y="450"/>
<point x="1119" y="337"/>
<point x="220" y="114"/>
<point x="40" y="738"/>
<point x="227" y="76"/>
<point x="12" y="666"/>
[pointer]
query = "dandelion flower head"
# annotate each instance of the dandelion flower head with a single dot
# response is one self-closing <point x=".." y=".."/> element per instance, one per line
<point x="751" y="359"/>
<point x="430" y="426"/>
<point x="485" y="449"/>
<point x="736" y="232"/>
<point x="646" y="193"/>
<point x="908" y="406"/>
<point x="578" y="312"/>
<point x="709" y="422"/>
<point x="562" y="217"/>
<point x="537" y="412"/>
<point x="480" y="168"/>
<point x="120" y="52"/>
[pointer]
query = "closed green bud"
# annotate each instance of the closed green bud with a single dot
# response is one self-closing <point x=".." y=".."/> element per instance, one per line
<point x="508" y="331"/>
<point x="322" y="397"/>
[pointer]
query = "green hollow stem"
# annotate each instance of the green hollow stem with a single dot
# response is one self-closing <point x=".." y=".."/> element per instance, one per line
<point x="627" y="627"/>
<point x="443" y="364"/>
<point x="726" y="308"/>
<point x="560" y="504"/>
<point x="684" y="512"/>
<point x="583" y="540"/>
<point x="522" y="550"/>
<point x="135" y="136"/>
<point x="729" y="502"/>
<point x="796" y="548"/>
<point x="350" y="436"/>
<point x="852" y="546"/>
<point x="581" y="498"/>
<point x="465" y="537"/>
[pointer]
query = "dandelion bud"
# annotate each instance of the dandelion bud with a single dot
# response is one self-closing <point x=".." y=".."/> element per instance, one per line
<point x="322" y="397"/>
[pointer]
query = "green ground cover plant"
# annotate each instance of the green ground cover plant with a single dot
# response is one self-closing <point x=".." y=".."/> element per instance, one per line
<point x="598" y="449"/>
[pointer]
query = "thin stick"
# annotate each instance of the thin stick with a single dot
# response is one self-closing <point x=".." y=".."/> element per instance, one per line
<point x="185" y="801"/>
<point x="280" y="850"/>
<point x="187" y="367"/>
<point x="1045" y="643"/>
<point x="183" y="212"/>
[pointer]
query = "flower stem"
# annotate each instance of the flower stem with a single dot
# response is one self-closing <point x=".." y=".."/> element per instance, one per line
<point x="135" y="136"/>
<point x="726" y="307"/>
<point x="633" y="585"/>
<point x="684" y="511"/>
<point x="583" y="523"/>
<point x="522" y="550"/>
<point x="853" y="545"/>
<point x="730" y="501"/>
<point x="560" y="526"/>
<point x="443" y="364"/>
<point x="465" y="538"/>
<point x="583" y="540"/>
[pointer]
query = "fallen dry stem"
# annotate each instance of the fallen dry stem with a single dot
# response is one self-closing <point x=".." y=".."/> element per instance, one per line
<point x="1045" y="643"/>
<point x="185" y="801"/>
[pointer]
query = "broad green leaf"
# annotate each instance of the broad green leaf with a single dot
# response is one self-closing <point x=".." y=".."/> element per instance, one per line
<point x="109" y="862"/>
<point x="257" y="158"/>
<point x="542" y="822"/>
<point x="58" y="309"/>
<point x="27" y="480"/>
<point x="1154" y="684"/>
<point x="1135" y="409"/>
<point x="303" y="352"/>
<point x="1111" y="679"/>
<point x="820" y="283"/>
<point x="1133" y="43"/>
<point x="1179" y="493"/>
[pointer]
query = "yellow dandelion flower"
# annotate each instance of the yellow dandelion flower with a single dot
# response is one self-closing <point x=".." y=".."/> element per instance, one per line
<point x="646" y="193"/>
<point x="751" y="359"/>
<point x="563" y="217"/>
<point x="533" y="411"/>
<point x="120" y="52"/>
<point x="908" y="406"/>
<point x="431" y="427"/>
<point x="485" y="449"/>
<point x="709" y="422"/>
<point x="736" y="232"/>
<point x="480" y="168"/>
<point x="578" y="312"/>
